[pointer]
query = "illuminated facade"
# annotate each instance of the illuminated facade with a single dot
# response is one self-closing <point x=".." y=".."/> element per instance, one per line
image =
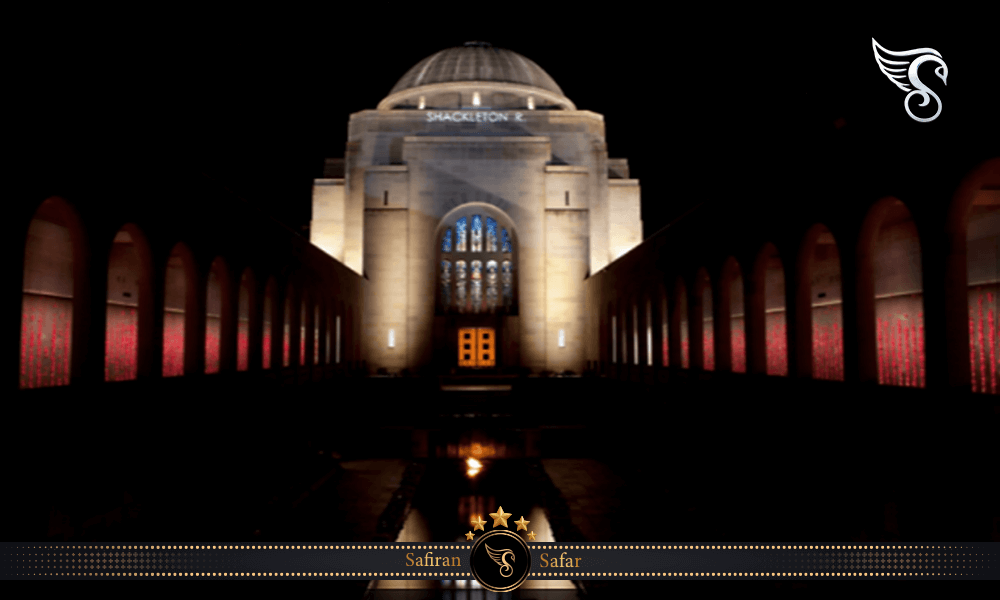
<point x="476" y="198"/>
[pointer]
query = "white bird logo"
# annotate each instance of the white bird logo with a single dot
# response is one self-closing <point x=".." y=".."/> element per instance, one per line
<point x="500" y="558"/>
<point x="889" y="67"/>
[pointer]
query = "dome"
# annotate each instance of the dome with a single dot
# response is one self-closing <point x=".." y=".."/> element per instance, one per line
<point x="477" y="61"/>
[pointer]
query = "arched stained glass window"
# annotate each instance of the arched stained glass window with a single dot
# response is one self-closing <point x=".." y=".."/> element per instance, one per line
<point x="446" y="242"/>
<point x="491" y="234"/>
<point x="460" y="235"/>
<point x="446" y="282"/>
<point x="477" y="285"/>
<point x="460" y="285"/>
<point x="477" y="234"/>
<point x="491" y="284"/>
<point x="507" y="283"/>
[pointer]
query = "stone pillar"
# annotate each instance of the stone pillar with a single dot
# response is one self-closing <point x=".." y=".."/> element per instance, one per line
<point x="228" y="320"/>
<point x="324" y="330"/>
<point x="255" y="326"/>
<point x="865" y="368"/>
<point x="674" y="331"/>
<point x="278" y="325"/>
<point x="657" y="321"/>
<point x="194" y="317"/>
<point x="799" y="299"/>
<point x="149" y="350"/>
<point x="696" y="326"/>
<point x="294" y="297"/>
<point x="90" y="310"/>
<point x="721" y="300"/>
<point x="754" y="318"/>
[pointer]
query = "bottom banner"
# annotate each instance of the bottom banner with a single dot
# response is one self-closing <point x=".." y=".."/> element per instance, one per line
<point x="500" y="561"/>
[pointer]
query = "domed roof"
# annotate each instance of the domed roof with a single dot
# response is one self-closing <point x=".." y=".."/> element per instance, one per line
<point x="476" y="61"/>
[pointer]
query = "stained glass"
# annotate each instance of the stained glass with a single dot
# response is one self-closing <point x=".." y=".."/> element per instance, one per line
<point x="491" y="234"/>
<point x="460" y="235"/>
<point x="505" y="242"/>
<point x="491" y="285"/>
<point x="446" y="242"/>
<point x="507" y="283"/>
<point x="445" y="283"/>
<point x="460" y="285"/>
<point x="476" y="295"/>
<point x="477" y="234"/>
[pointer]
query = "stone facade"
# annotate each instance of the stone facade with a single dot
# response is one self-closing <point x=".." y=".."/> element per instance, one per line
<point x="408" y="170"/>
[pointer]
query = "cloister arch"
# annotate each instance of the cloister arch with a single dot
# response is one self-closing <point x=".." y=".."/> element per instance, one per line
<point x="819" y="302"/>
<point x="129" y="312"/>
<point x="769" y="283"/>
<point x="731" y="310"/>
<point x="890" y="302"/>
<point x="52" y="292"/>
<point x="680" y="322"/>
<point x="287" y="324"/>
<point x="647" y="305"/>
<point x="178" y="309"/>
<point x="217" y="306"/>
<point x="246" y="307"/>
<point x="271" y="337"/>
<point x="338" y="342"/>
<point x="634" y="321"/>
<point x="706" y="324"/>
<point x="664" y="325"/>
<point x="972" y="275"/>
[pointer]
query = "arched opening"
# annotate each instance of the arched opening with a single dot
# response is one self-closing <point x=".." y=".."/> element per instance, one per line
<point x="681" y="294"/>
<point x="179" y="275"/>
<point x="247" y="286"/>
<point x="708" y="321"/>
<point x="614" y="335"/>
<point x="733" y="277"/>
<point x="121" y="343"/>
<point x="286" y="334"/>
<point x="337" y="344"/>
<point x="213" y="315"/>
<point x="826" y="306"/>
<point x="303" y="328"/>
<point x="635" y="333"/>
<point x="983" y="269"/>
<point x="648" y="302"/>
<point x="47" y="295"/>
<point x="316" y="333"/>
<point x="623" y="324"/>
<point x="664" y="328"/>
<point x="267" y="333"/>
<point x="330" y="318"/>
<point x="898" y="279"/>
<point x="776" y="332"/>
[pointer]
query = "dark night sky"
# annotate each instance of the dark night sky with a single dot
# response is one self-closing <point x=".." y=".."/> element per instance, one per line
<point x="257" y="100"/>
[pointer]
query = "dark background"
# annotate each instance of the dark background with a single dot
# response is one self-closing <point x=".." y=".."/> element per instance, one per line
<point x="718" y="106"/>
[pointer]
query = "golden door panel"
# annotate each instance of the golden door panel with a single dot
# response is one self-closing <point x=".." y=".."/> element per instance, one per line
<point x="467" y="347"/>
<point x="485" y="347"/>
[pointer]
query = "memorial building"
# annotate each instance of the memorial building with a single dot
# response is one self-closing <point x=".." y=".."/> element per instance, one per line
<point x="475" y="198"/>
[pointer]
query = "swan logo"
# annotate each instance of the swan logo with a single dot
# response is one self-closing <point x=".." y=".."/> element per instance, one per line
<point x="901" y="69"/>
<point x="500" y="558"/>
<point x="500" y="561"/>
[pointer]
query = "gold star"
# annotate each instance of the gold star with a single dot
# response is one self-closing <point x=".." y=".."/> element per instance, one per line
<point x="469" y="536"/>
<point x="500" y="517"/>
<point x="522" y="524"/>
<point x="531" y="536"/>
<point x="478" y="524"/>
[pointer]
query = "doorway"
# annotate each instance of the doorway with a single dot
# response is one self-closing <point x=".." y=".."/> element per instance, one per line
<point x="477" y="347"/>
